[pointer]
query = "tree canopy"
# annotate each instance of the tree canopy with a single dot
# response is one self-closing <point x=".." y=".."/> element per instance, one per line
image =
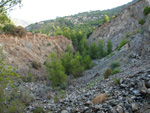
<point x="9" y="4"/>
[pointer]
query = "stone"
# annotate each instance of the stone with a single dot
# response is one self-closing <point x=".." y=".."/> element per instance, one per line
<point x="64" y="111"/>
<point x="148" y="91"/>
<point x="120" y="109"/>
<point x="148" y="84"/>
<point x="136" y="92"/>
<point x="135" y="107"/>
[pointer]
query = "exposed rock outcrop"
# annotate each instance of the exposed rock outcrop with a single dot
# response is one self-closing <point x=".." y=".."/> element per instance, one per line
<point x="118" y="27"/>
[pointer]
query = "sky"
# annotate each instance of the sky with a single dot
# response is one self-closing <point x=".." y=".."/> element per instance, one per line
<point x="39" y="10"/>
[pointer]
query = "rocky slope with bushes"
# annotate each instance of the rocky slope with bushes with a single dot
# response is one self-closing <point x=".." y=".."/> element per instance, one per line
<point x="31" y="50"/>
<point x="118" y="83"/>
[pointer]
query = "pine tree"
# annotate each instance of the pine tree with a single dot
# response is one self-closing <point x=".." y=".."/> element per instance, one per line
<point x="56" y="70"/>
<point x="93" y="51"/>
<point x="109" y="46"/>
<point x="66" y="62"/>
<point x="76" y="67"/>
<point x="87" y="62"/>
<point x="100" y="49"/>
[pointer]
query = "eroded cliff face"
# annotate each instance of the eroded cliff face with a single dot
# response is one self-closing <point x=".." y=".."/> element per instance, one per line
<point x="117" y="28"/>
<point x="21" y="52"/>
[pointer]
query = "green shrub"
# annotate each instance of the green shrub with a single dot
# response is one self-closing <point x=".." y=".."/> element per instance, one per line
<point x="142" y="21"/>
<point x="9" y="28"/>
<point x="138" y="31"/>
<point x="15" y="106"/>
<point x="56" y="70"/>
<point x="30" y="77"/>
<point x="16" y="31"/>
<point x="146" y="10"/>
<point x="38" y="110"/>
<point x="116" y="80"/>
<point x="36" y="65"/>
<point x="107" y="73"/>
<point x="115" y="71"/>
<point x="114" y="65"/>
<point x="122" y="43"/>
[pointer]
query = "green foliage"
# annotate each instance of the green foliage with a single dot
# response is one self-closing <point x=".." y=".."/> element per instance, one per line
<point x="76" y="67"/>
<point x="109" y="46"/>
<point x="16" y="31"/>
<point x="138" y="31"/>
<point x="146" y="10"/>
<point x="142" y="21"/>
<point x="76" y="22"/>
<point x="87" y="62"/>
<point x="68" y="49"/>
<point x="56" y="70"/>
<point x="114" y="65"/>
<point x="58" y="31"/>
<point x="107" y="73"/>
<point x="9" y="28"/>
<point x="100" y="49"/>
<point x="14" y="106"/>
<point x="106" y="19"/>
<point x="7" y="76"/>
<point x="36" y="65"/>
<point x="66" y="62"/>
<point x="115" y="71"/>
<point x="116" y="80"/>
<point x="3" y="16"/>
<point x="30" y="77"/>
<point x="38" y="110"/>
<point x="122" y="43"/>
<point x="93" y="51"/>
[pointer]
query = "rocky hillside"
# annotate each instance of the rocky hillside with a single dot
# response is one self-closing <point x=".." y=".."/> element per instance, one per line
<point x="81" y="22"/>
<point x="22" y="52"/>
<point x="127" y="91"/>
<point x="126" y="23"/>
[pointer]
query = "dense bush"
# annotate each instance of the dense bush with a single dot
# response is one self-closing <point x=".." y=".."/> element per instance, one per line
<point x="142" y="21"/>
<point x="16" y="31"/>
<point x="107" y="73"/>
<point x="9" y="28"/>
<point x="56" y="70"/>
<point x="146" y="10"/>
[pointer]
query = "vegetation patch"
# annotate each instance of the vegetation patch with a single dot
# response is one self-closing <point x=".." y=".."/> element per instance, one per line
<point x="107" y="73"/>
<point x="146" y="10"/>
<point x="122" y="43"/>
<point x="116" y="80"/>
<point x="142" y="21"/>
